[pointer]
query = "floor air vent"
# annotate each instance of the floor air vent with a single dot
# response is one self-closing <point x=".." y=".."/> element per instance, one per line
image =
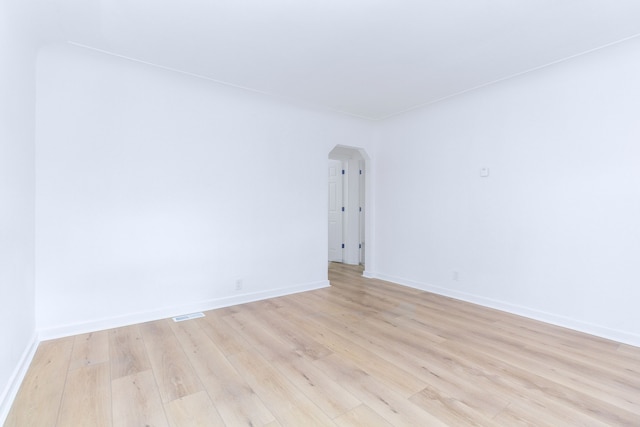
<point x="187" y="317"/>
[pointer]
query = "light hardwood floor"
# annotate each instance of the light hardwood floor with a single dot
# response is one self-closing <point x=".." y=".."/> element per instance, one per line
<point x="360" y="353"/>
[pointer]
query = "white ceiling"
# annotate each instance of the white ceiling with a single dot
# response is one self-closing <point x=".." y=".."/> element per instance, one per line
<point x="368" y="58"/>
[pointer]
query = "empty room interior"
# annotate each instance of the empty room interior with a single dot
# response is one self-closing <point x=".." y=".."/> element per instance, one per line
<point x="347" y="213"/>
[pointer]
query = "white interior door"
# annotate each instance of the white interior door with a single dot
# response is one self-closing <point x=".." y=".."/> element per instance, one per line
<point x="335" y="211"/>
<point x="361" y="211"/>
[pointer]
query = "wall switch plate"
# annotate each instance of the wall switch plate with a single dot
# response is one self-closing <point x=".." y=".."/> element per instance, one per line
<point x="484" y="172"/>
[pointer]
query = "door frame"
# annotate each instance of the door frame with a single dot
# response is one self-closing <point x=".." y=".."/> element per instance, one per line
<point x="363" y="230"/>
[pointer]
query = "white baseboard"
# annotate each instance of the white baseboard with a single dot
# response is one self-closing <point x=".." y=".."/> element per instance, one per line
<point x="554" y="319"/>
<point x="130" y="319"/>
<point x="11" y="390"/>
<point x="369" y="275"/>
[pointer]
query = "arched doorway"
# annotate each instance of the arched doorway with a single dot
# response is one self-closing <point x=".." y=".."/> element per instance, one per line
<point x="347" y="213"/>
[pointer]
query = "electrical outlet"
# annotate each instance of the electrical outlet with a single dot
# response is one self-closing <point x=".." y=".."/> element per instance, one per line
<point x="455" y="276"/>
<point x="238" y="284"/>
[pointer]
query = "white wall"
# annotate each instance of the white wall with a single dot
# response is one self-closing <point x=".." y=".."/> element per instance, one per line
<point x="554" y="232"/>
<point x="17" y="123"/>
<point x="156" y="191"/>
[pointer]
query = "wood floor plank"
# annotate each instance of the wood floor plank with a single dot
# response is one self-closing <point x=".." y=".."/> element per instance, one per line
<point x="278" y="343"/>
<point x="171" y="367"/>
<point x="195" y="410"/>
<point x="625" y="396"/>
<point x="290" y="407"/>
<point x="87" y="397"/>
<point x="360" y="352"/>
<point x="267" y="343"/>
<point x="204" y="355"/>
<point x="498" y="337"/>
<point x="279" y="326"/>
<point x="136" y="401"/>
<point x="583" y="362"/>
<point x="38" y="400"/>
<point x="90" y="349"/>
<point x="400" y="379"/>
<point x="437" y="367"/>
<point x="451" y="409"/>
<point x="385" y="401"/>
<point x="522" y="358"/>
<point x="432" y="364"/>
<point x="234" y="399"/>
<point x="322" y="390"/>
<point x="541" y="394"/>
<point x="237" y="402"/>
<point x="127" y="353"/>
<point x="499" y="374"/>
<point x="629" y="352"/>
<point x="362" y="415"/>
<point x="516" y="418"/>
<point x="531" y="413"/>
<point x="214" y="325"/>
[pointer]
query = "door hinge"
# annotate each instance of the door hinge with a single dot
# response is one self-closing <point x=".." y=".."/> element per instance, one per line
<point x="360" y="246"/>
<point x="343" y="209"/>
<point x="342" y="171"/>
<point x="360" y="171"/>
<point x="343" y="246"/>
<point x="360" y="208"/>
